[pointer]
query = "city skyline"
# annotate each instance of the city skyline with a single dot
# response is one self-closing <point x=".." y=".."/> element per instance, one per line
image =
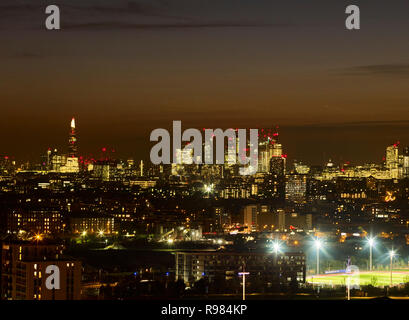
<point x="204" y="151"/>
<point x="124" y="68"/>
<point x="310" y="154"/>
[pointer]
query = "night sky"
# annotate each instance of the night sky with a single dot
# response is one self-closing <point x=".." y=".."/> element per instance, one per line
<point x="124" y="68"/>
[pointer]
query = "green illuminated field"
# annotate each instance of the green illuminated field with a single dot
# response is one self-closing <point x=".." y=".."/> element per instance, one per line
<point x="376" y="278"/>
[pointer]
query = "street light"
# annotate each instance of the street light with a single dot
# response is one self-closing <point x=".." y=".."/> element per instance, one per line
<point x="371" y="242"/>
<point x="318" y="245"/>
<point x="244" y="282"/>
<point x="38" y="237"/>
<point x="208" y="189"/>
<point x="391" y="255"/>
<point x="276" y="247"/>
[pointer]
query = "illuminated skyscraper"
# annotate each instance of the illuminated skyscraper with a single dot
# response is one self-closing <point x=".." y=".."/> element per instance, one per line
<point x="72" y="146"/>
<point x="296" y="188"/>
<point x="392" y="160"/>
<point x="71" y="163"/>
<point x="406" y="162"/>
<point x="270" y="150"/>
<point x="183" y="157"/>
<point x="250" y="214"/>
<point x="265" y="154"/>
<point x="277" y="166"/>
<point x="277" y="160"/>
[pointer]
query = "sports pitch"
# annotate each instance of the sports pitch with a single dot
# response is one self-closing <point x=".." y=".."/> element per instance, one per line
<point x="377" y="278"/>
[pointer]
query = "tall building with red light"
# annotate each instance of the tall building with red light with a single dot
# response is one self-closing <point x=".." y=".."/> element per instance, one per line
<point x="392" y="160"/>
<point x="72" y="142"/>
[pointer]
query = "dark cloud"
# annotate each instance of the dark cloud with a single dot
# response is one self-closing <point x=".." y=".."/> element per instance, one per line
<point x="124" y="25"/>
<point x="27" y="14"/>
<point x="126" y="8"/>
<point x="95" y="6"/>
<point x="13" y="8"/>
<point x="153" y="9"/>
<point x="138" y="14"/>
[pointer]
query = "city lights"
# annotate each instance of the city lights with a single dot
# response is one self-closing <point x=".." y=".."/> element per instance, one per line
<point x="174" y="213"/>
<point x="371" y="242"/>
<point x="208" y="188"/>
<point x="243" y="275"/>
<point x="392" y="254"/>
<point x="318" y="245"/>
<point x="276" y="247"/>
<point x="166" y="154"/>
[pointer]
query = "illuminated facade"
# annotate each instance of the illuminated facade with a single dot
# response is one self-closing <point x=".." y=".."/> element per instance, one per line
<point x="23" y="272"/>
<point x="93" y="224"/>
<point x="392" y="160"/>
<point x="296" y="188"/>
<point x="250" y="214"/>
<point x="281" y="269"/>
<point x="72" y="141"/>
<point x="405" y="165"/>
<point x="35" y="221"/>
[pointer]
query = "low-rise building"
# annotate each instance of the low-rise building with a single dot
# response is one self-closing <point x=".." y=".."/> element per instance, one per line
<point x="271" y="268"/>
<point x="23" y="272"/>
